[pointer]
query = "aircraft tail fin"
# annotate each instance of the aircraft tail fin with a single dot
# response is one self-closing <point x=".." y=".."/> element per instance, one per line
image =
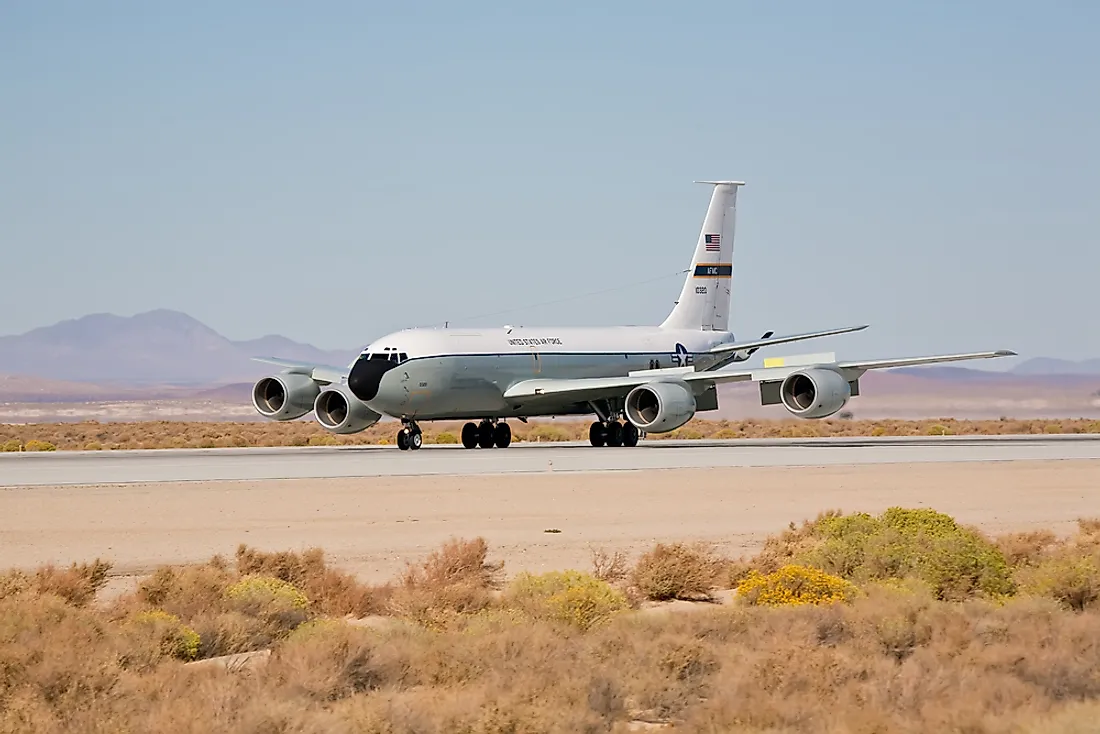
<point x="704" y="301"/>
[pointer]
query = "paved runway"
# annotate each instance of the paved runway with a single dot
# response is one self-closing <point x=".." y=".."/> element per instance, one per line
<point x="128" y="467"/>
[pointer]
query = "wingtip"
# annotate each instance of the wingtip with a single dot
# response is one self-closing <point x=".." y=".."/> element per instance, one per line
<point x="1006" y="353"/>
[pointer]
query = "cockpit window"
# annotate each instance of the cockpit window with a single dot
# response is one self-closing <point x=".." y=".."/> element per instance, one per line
<point x="388" y="354"/>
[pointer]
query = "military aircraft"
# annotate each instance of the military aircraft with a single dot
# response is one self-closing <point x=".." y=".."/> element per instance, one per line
<point x="634" y="379"/>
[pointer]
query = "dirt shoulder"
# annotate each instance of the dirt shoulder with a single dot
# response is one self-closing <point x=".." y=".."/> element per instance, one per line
<point x="373" y="526"/>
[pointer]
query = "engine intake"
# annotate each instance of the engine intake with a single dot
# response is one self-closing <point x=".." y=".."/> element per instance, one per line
<point x="284" y="397"/>
<point x="341" y="412"/>
<point x="814" y="393"/>
<point x="659" y="407"/>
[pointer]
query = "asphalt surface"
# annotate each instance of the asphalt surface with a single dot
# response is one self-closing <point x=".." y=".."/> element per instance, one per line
<point x="190" y="465"/>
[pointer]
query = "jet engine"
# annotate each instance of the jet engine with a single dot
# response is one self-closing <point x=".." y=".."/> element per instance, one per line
<point x="659" y="407"/>
<point x="285" y="396"/>
<point x="814" y="393"/>
<point x="341" y="412"/>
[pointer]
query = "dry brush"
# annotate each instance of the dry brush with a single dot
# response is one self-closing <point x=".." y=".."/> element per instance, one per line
<point x="903" y="621"/>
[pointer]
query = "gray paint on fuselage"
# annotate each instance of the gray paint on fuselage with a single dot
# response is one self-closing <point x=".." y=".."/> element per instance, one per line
<point x="471" y="386"/>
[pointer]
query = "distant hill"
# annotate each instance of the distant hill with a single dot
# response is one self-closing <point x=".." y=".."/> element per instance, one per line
<point x="1049" y="366"/>
<point x="159" y="347"/>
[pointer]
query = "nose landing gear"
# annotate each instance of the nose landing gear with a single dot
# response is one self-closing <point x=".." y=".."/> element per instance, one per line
<point x="410" y="437"/>
<point x="486" y="434"/>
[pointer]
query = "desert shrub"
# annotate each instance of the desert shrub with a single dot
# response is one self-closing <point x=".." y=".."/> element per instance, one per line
<point x="12" y="445"/>
<point x="1070" y="577"/>
<point x="256" y="594"/>
<point x="457" y="561"/>
<point x="232" y="632"/>
<point x="35" y="445"/>
<point x="676" y="571"/>
<point x="1088" y="533"/>
<point x="326" y="663"/>
<point x="187" y="591"/>
<point x="791" y="543"/>
<point x="794" y="585"/>
<point x="455" y="579"/>
<point x="609" y="567"/>
<point x="172" y="637"/>
<point x="571" y="597"/>
<point x="964" y="564"/>
<point x="919" y="522"/>
<point x="1026" y="548"/>
<point x="76" y="585"/>
<point x="56" y="662"/>
<point x="446" y="437"/>
<point x="956" y="561"/>
<point x="329" y="590"/>
<point x="546" y="433"/>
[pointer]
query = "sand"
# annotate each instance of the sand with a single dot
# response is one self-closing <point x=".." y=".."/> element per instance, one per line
<point x="373" y="526"/>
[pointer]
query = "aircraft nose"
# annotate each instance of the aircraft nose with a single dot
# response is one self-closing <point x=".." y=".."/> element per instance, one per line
<point x="365" y="376"/>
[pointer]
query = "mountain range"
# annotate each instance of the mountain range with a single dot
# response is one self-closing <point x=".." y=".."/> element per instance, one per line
<point x="159" y="347"/>
<point x="172" y="350"/>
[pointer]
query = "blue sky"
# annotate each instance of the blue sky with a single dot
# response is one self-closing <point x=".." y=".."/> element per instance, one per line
<point x="335" y="171"/>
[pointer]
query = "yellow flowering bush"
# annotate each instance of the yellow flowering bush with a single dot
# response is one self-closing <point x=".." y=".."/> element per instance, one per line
<point x="794" y="585"/>
<point x="575" y="598"/>
<point x="173" y="637"/>
<point x="267" y="590"/>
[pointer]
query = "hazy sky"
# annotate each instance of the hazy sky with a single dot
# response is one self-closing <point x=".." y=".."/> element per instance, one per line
<point x="333" y="171"/>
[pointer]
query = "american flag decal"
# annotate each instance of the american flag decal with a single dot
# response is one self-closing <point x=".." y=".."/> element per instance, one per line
<point x="713" y="242"/>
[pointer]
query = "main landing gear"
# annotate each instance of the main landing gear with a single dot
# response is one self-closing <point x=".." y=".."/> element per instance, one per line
<point x="410" y="437"/>
<point x="613" y="433"/>
<point x="486" y="434"/>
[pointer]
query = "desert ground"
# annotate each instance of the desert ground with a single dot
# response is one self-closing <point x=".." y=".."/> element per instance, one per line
<point x="374" y="526"/>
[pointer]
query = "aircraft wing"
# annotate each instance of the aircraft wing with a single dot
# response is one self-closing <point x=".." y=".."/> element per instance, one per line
<point x="916" y="361"/>
<point x="322" y="373"/>
<point x="601" y="388"/>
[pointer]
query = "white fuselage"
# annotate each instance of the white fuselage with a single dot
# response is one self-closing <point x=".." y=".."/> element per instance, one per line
<point x="434" y="374"/>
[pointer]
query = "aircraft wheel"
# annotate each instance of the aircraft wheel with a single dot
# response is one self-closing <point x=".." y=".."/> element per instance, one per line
<point x="403" y="440"/>
<point x="596" y="434"/>
<point x="630" y="434"/>
<point x="502" y="435"/>
<point x="469" y="435"/>
<point x="614" y="433"/>
<point x="416" y="440"/>
<point x="485" y="435"/>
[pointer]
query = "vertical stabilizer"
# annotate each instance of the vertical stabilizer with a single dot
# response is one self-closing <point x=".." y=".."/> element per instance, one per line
<point x="704" y="302"/>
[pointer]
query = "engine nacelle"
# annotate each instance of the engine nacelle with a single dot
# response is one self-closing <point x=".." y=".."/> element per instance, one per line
<point x="285" y="396"/>
<point x="659" y="407"/>
<point x="814" y="393"/>
<point x="341" y="412"/>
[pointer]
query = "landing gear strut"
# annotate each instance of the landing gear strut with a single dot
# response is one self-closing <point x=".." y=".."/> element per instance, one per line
<point x="486" y="434"/>
<point x="410" y="437"/>
<point x="613" y="433"/>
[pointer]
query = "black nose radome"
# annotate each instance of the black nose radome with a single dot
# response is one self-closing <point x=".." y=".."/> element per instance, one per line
<point x="365" y="376"/>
